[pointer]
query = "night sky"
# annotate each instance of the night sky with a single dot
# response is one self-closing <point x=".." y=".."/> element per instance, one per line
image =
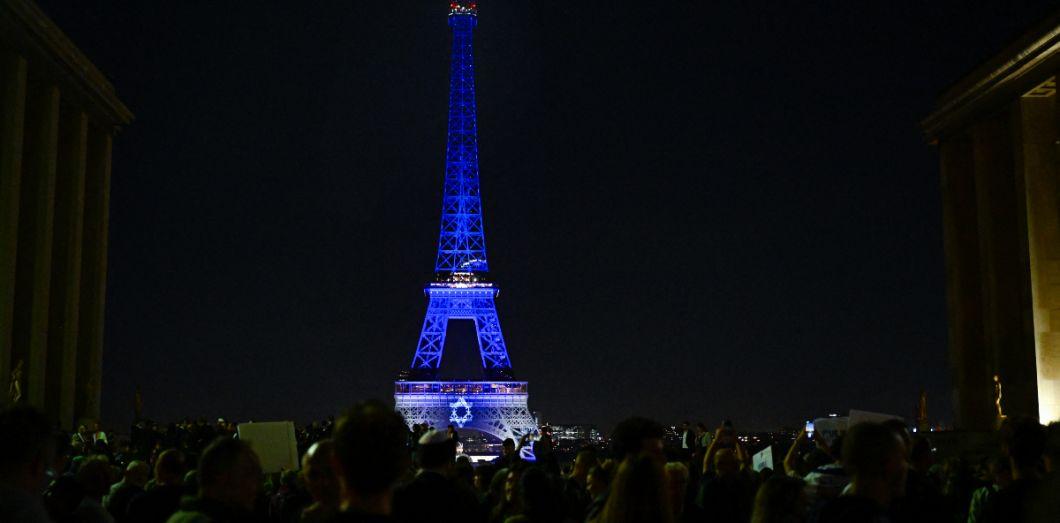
<point x="694" y="210"/>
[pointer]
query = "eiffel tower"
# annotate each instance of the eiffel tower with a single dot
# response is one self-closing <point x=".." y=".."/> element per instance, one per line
<point x="495" y="404"/>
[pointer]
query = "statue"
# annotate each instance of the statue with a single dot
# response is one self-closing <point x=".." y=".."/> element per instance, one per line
<point x="14" y="391"/>
<point x="921" y="412"/>
<point x="997" y="399"/>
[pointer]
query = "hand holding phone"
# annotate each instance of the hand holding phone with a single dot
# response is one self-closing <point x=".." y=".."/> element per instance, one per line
<point x="809" y="429"/>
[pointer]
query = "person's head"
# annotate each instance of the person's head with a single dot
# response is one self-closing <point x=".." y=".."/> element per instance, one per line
<point x="544" y="443"/>
<point x="638" y="492"/>
<point x="874" y="453"/>
<point x="538" y="495"/>
<point x="781" y="498"/>
<point x="437" y="451"/>
<point x="636" y="435"/>
<point x="94" y="476"/>
<point x="834" y="450"/>
<point x="82" y="430"/>
<point x="229" y="472"/>
<point x="370" y="452"/>
<point x="483" y="474"/>
<point x="496" y="485"/>
<point x="450" y="430"/>
<point x="26" y="448"/>
<point x="191" y="483"/>
<point x="1025" y="444"/>
<point x="1000" y="472"/>
<point x="676" y="484"/>
<point x="921" y="457"/>
<point x="684" y="425"/>
<point x="508" y="447"/>
<point x="765" y="473"/>
<point x="585" y="460"/>
<point x="598" y="480"/>
<point x="725" y="463"/>
<point x="511" y="485"/>
<point x="137" y="473"/>
<point x="1052" y="447"/>
<point x="464" y="471"/>
<point x="169" y="468"/>
<point x="289" y="479"/>
<point x="900" y="429"/>
<point x="318" y="474"/>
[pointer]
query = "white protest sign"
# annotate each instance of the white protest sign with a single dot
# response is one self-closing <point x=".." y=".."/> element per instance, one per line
<point x="763" y="459"/>
<point x="863" y="416"/>
<point x="274" y="443"/>
<point x="829" y="428"/>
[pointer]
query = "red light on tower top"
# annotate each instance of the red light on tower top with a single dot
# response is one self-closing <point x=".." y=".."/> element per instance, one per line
<point x="463" y="8"/>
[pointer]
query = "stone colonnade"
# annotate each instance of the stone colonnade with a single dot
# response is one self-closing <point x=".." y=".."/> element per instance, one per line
<point x="1001" y="219"/>
<point x="55" y="175"/>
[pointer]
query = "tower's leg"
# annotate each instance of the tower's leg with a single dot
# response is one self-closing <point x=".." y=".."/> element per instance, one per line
<point x="461" y="303"/>
<point x="432" y="336"/>
<point x="490" y="340"/>
<point x="507" y="422"/>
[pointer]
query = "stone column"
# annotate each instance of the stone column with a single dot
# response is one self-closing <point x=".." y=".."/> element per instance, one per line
<point x="970" y="365"/>
<point x="33" y="269"/>
<point x="1038" y="158"/>
<point x="66" y="266"/>
<point x="12" y="116"/>
<point x="1003" y="261"/>
<point x="94" y="273"/>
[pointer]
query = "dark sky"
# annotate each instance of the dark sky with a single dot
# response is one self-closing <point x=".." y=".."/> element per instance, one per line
<point x="694" y="210"/>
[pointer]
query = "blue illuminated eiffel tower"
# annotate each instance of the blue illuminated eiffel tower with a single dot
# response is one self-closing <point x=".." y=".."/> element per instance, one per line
<point x="495" y="404"/>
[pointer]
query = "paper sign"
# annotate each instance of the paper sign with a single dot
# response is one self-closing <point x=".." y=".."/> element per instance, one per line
<point x="274" y="443"/>
<point x="763" y="459"/>
<point x="829" y="428"/>
<point x="862" y="416"/>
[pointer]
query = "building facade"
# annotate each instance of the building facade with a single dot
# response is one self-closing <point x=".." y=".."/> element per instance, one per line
<point x="58" y="119"/>
<point x="997" y="136"/>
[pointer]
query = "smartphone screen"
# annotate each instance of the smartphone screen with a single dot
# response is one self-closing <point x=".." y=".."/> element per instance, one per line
<point x="809" y="428"/>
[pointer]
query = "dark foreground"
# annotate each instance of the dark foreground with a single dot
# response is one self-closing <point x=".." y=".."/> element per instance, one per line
<point x="368" y="466"/>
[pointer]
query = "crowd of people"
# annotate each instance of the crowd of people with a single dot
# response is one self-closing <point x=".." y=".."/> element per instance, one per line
<point x="147" y="439"/>
<point x="368" y="466"/>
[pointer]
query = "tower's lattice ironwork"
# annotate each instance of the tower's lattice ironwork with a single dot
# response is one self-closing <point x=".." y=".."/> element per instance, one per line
<point x="461" y="242"/>
<point x="496" y="404"/>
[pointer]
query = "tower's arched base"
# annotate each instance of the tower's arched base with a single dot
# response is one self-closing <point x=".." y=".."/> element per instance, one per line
<point x="495" y="408"/>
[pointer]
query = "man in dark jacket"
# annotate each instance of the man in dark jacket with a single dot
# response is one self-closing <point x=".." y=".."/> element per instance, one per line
<point x="370" y="455"/>
<point x="875" y="458"/>
<point x="123" y="492"/>
<point x="158" y="503"/>
<point x="229" y="483"/>
<point x="434" y="495"/>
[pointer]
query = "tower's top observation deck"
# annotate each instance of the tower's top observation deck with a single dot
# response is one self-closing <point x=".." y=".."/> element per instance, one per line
<point x="463" y="8"/>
